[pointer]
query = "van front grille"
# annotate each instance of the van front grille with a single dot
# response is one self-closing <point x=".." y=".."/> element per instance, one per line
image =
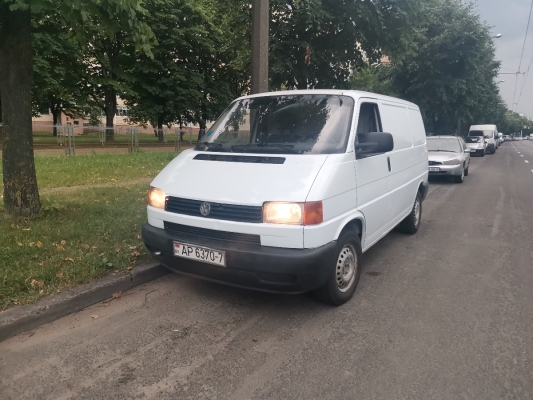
<point x="192" y="232"/>
<point x="227" y="212"/>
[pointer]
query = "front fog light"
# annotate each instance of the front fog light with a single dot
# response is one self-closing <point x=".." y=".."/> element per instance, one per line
<point x="156" y="197"/>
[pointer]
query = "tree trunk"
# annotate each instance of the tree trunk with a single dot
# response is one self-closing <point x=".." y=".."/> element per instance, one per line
<point x="56" y="113"/>
<point x="110" y="111"/>
<point x="21" y="194"/>
<point x="160" y="129"/>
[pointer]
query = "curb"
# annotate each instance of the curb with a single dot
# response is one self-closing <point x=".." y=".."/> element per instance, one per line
<point x="48" y="309"/>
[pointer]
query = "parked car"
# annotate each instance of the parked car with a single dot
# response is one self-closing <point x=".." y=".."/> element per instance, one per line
<point x="286" y="191"/>
<point x="477" y="145"/>
<point x="499" y="136"/>
<point x="489" y="132"/>
<point x="448" y="156"/>
<point x="506" y="138"/>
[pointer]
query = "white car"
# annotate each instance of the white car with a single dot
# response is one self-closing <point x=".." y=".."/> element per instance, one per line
<point x="288" y="189"/>
<point x="477" y="145"/>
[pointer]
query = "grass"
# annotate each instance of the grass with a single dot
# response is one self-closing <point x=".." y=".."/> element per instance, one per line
<point x="41" y="137"/>
<point x="83" y="232"/>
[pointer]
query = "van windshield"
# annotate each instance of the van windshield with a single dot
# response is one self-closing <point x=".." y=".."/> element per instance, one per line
<point x="297" y="124"/>
<point x="487" y="134"/>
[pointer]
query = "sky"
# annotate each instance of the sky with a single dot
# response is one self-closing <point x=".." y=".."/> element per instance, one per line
<point x="510" y="17"/>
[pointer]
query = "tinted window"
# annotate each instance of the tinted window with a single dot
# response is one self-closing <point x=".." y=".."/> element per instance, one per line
<point x="487" y="134"/>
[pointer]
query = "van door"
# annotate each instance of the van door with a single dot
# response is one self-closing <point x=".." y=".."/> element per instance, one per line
<point x="403" y="186"/>
<point x="372" y="176"/>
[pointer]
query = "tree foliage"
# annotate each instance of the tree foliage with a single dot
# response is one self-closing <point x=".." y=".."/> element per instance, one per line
<point x="318" y="43"/>
<point x="450" y="73"/>
<point x="57" y="68"/>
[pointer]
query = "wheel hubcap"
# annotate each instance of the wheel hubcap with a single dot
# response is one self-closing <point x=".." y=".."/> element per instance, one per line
<point x="417" y="212"/>
<point x="346" y="268"/>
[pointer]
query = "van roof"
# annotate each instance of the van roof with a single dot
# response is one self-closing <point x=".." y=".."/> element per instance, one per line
<point x="353" y="93"/>
<point x="482" y="127"/>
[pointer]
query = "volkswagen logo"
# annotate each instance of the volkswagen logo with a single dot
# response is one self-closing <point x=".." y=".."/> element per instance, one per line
<point x="205" y="209"/>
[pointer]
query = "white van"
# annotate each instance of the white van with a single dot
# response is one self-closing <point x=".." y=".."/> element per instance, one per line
<point x="489" y="132"/>
<point x="287" y="189"/>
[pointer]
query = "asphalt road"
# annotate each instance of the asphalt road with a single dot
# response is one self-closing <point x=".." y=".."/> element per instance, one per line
<point x="444" y="314"/>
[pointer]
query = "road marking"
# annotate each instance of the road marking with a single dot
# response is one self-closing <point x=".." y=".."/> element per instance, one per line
<point x="521" y="155"/>
<point x="527" y="162"/>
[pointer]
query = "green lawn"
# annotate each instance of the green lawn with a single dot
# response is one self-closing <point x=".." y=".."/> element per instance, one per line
<point x="84" y="231"/>
<point x="93" y="138"/>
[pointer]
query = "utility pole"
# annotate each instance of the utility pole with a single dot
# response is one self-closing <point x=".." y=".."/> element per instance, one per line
<point x="260" y="18"/>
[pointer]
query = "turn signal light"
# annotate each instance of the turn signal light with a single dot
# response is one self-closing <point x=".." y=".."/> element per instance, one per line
<point x="313" y="213"/>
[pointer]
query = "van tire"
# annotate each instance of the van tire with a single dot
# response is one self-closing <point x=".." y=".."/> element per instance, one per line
<point x="348" y="245"/>
<point x="483" y="153"/>
<point x="411" y="223"/>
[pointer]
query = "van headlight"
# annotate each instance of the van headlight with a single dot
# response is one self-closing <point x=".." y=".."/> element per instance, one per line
<point x="293" y="213"/>
<point x="156" y="197"/>
<point x="453" y="161"/>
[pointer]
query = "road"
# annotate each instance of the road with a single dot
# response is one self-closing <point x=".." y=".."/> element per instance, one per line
<point x="444" y="314"/>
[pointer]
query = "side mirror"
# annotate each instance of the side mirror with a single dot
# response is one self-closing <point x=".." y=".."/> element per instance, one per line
<point x="468" y="151"/>
<point x="373" y="143"/>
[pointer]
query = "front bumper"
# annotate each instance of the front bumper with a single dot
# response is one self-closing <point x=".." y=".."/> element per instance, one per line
<point x="264" y="268"/>
<point x="446" y="170"/>
<point x="491" y="147"/>
<point x="477" y="152"/>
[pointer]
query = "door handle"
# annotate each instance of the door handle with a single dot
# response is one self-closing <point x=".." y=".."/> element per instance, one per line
<point x="388" y="162"/>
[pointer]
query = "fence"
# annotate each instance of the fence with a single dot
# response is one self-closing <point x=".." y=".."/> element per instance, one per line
<point x="132" y="137"/>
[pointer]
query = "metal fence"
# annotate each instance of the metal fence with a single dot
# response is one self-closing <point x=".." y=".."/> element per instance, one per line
<point x="130" y="136"/>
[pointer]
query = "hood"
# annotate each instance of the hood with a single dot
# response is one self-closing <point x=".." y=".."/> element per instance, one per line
<point x="237" y="182"/>
<point x="441" y="155"/>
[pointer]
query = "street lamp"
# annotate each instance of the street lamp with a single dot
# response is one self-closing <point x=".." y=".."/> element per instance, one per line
<point x="499" y="35"/>
<point x="503" y="80"/>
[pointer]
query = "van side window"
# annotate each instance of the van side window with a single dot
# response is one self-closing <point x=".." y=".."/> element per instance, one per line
<point x="369" y="121"/>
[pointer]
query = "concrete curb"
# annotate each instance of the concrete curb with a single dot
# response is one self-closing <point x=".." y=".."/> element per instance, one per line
<point x="27" y="317"/>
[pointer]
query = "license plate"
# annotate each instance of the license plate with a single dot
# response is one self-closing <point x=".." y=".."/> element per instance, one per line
<point x="434" y="169"/>
<point x="198" y="253"/>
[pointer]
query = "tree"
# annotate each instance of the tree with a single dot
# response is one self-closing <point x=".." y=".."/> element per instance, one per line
<point x="374" y="79"/>
<point x="164" y="86"/>
<point x="318" y="43"/>
<point x="57" y="69"/>
<point x="450" y="72"/>
<point x="21" y="194"/>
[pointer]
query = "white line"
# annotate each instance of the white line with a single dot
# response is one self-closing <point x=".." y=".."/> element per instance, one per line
<point x="521" y="155"/>
<point x="527" y="162"/>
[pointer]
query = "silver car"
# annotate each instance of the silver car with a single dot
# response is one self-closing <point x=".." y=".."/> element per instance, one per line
<point x="448" y="156"/>
<point x="477" y="145"/>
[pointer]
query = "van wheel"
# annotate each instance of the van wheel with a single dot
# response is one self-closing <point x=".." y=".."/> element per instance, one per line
<point x="483" y="153"/>
<point x="345" y="271"/>
<point x="411" y="223"/>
